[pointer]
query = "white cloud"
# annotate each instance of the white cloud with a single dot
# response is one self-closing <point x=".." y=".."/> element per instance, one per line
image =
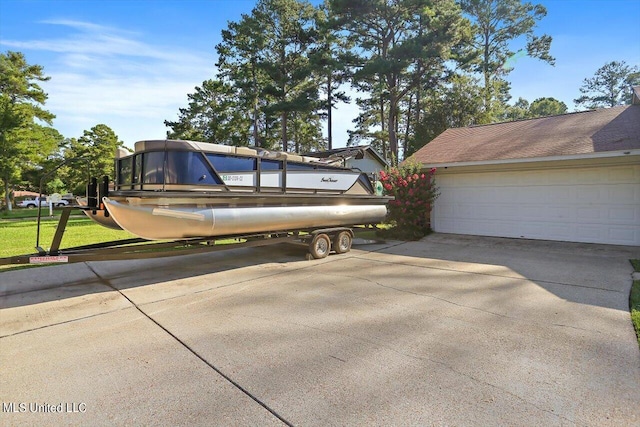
<point x="109" y="75"/>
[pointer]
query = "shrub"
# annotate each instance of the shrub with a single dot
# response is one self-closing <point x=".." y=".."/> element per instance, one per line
<point x="414" y="192"/>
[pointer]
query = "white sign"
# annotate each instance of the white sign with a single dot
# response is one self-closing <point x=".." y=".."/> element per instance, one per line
<point x="47" y="259"/>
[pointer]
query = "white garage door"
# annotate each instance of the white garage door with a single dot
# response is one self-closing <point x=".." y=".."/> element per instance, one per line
<point x="594" y="204"/>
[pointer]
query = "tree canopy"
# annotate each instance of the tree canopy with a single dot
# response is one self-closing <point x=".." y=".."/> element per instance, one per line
<point x="416" y="66"/>
<point x="400" y="45"/>
<point x="24" y="142"/>
<point x="610" y="86"/>
<point x="498" y="25"/>
<point x="542" y="107"/>
<point x="95" y="148"/>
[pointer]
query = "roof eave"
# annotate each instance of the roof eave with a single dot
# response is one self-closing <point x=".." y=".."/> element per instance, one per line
<point x="602" y="155"/>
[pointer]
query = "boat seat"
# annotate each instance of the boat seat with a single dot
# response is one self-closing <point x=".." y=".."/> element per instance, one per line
<point x="292" y="157"/>
<point x="246" y="151"/>
<point x="214" y="148"/>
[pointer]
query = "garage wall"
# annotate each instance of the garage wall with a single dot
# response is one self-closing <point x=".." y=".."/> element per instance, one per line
<point x="581" y="204"/>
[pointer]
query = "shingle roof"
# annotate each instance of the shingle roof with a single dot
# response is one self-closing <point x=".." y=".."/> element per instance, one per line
<point x="608" y="129"/>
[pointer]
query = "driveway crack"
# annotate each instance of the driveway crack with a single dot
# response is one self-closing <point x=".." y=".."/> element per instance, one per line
<point x="410" y="356"/>
<point x="461" y="305"/>
<point x="491" y="275"/>
<point x="193" y="351"/>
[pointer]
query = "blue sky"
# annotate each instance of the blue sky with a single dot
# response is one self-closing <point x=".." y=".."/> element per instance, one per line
<point x="131" y="63"/>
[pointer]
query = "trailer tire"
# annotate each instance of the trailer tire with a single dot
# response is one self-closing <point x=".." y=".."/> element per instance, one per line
<point x="320" y="246"/>
<point x="342" y="242"/>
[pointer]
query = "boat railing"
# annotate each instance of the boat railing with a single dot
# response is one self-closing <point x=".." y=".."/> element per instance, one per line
<point x="192" y="166"/>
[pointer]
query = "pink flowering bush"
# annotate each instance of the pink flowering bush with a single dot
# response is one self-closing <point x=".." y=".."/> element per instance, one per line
<point x="414" y="193"/>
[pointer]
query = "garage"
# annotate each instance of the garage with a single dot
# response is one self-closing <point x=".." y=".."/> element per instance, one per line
<point x="573" y="177"/>
<point x="598" y="204"/>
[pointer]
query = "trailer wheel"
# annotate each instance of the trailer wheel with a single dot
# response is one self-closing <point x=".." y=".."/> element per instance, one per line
<point x="320" y="246"/>
<point x="342" y="242"/>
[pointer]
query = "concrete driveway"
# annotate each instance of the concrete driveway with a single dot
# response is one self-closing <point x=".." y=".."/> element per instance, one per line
<point x="450" y="330"/>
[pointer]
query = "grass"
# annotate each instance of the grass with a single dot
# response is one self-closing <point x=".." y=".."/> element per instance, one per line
<point x="634" y="300"/>
<point x="19" y="237"/>
<point x="26" y="213"/>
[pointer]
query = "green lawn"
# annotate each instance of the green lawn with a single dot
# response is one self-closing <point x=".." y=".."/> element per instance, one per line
<point x="21" y="213"/>
<point x="19" y="237"/>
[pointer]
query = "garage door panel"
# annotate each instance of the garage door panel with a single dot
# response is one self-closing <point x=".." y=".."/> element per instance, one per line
<point x="561" y="214"/>
<point x="589" y="213"/>
<point x="624" y="235"/>
<point x="619" y="193"/>
<point x="560" y="193"/>
<point x="510" y="194"/>
<point x="538" y="230"/>
<point x="588" y="193"/>
<point x="589" y="233"/>
<point x="623" y="214"/>
<point x="597" y="204"/>
<point x="507" y="228"/>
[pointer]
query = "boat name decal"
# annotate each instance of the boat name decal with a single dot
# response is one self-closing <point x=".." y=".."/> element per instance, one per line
<point x="330" y="179"/>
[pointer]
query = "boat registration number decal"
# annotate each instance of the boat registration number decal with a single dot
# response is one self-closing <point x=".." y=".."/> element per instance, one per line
<point x="45" y="259"/>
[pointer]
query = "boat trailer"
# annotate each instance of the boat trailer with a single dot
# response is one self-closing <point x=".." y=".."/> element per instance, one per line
<point x="320" y="243"/>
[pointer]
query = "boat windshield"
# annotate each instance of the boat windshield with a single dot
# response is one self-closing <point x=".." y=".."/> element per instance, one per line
<point x="159" y="167"/>
<point x="186" y="167"/>
<point x="226" y="163"/>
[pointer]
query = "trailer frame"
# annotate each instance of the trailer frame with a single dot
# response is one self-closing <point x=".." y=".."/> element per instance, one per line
<point x="320" y="242"/>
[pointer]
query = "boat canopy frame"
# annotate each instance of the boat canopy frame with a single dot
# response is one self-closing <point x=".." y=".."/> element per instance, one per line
<point x="194" y="166"/>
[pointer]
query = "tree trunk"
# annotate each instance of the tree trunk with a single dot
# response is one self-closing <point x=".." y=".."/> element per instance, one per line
<point x="329" y="108"/>
<point x="408" y="124"/>
<point x="393" y="137"/>
<point x="296" y="137"/>
<point x="487" y="75"/>
<point x="285" y="139"/>
<point x="7" y="197"/>
<point x="256" y="139"/>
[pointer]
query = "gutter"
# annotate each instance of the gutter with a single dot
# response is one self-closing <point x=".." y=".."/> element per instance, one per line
<point x="591" y="156"/>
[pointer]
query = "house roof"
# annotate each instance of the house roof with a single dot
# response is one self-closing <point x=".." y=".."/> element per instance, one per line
<point x="584" y="133"/>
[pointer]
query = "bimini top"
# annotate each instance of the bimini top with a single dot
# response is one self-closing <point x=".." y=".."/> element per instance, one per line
<point x="207" y="147"/>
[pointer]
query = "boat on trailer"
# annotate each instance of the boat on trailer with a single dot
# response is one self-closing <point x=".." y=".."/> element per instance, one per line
<point x="176" y="189"/>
